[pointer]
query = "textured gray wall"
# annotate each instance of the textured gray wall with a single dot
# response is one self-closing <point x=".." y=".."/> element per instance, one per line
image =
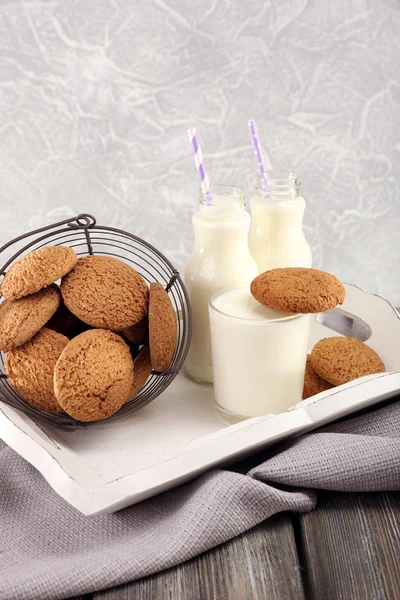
<point x="96" y="96"/>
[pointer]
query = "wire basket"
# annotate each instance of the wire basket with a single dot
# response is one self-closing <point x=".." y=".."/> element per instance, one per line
<point x="86" y="237"/>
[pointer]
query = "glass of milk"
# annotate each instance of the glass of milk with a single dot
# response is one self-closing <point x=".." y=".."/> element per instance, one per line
<point x="276" y="238"/>
<point x="221" y="257"/>
<point x="259" y="355"/>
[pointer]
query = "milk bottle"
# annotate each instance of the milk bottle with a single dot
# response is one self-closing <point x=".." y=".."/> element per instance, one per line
<point x="220" y="257"/>
<point x="276" y="238"/>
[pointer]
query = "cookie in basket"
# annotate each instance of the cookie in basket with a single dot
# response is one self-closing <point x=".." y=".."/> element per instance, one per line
<point x="30" y="369"/>
<point x="37" y="270"/>
<point x="298" y="290"/>
<point x="142" y="371"/>
<point x="21" y="319"/>
<point x="313" y="383"/>
<point x="64" y="321"/>
<point x="105" y="292"/>
<point x="94" y="375"/>
<point x="343" y="359"/>
<point x="162" y="328"/>
<point x="138" y="334"/>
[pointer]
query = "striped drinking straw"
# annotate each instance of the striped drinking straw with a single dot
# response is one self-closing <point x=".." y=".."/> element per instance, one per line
<point x="198" y="159"/>
<point x="261" y="168"/>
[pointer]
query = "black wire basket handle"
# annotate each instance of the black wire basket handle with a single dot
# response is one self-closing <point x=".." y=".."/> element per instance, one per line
<point x="82" y="221"/>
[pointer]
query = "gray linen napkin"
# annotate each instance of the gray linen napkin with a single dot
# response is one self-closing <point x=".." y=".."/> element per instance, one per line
<point x="49" y="551"/>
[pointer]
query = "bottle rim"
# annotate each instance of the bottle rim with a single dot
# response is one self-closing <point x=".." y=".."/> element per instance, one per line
<point x="222" y="197"/>
<point x="279" y="185"/>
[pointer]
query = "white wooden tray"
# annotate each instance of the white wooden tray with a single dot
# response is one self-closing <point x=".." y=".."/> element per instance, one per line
<point x="178" y="436"/>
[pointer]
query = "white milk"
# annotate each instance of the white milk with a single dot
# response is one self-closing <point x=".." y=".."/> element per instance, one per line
<point x="259" y="355"/>
<point x="220" y="257"/>
<point x="276" y="239"/>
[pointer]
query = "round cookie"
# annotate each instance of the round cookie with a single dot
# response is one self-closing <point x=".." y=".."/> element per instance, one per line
<point x="94" y="375"/>
<point x="138" y="334"/>
<point x="313" y="383"/>
<point x="106" y="293"/>
<point x="37" y="270"/>
<point x="21" y="319"/>
<point x="298" y="290"/>
<point x="343" y="359"/>
<point x="162" y="328"/>
<point x="142" y="371"/>
<point x="30" y="369"/>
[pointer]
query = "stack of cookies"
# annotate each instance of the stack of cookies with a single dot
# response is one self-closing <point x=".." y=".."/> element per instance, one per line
<point x="338" y="360"/>
<point x="87" y="346"/>
<point x="333" y="361"/>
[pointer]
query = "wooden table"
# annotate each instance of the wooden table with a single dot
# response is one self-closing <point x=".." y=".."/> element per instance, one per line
<point x="347" y="549"/>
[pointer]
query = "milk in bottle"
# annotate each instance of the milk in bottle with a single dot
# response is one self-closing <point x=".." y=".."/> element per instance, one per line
<point x="220" y="257"/>
<point x="276" y="237"/>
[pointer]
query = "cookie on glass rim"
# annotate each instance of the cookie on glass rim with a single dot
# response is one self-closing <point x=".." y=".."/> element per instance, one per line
<point x="298" y="290"/>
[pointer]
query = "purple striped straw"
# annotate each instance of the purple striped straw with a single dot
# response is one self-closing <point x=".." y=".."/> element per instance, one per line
<point x="261" y="168"/>
<point x="198" y="159"/>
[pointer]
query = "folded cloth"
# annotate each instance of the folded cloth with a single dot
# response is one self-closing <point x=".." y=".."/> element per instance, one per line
<point x="48" y="550"/>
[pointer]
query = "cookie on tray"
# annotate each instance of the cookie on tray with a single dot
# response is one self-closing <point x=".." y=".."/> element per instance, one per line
<point x="30" y="369"/>
<point x="313" y="383"/>
<point x="21" y="319"/>
<point x="106" y="293"/>
<point x="37" y="270"/>
<point x="94" y="375"/>
<point x="162" y="328"/>
<point x="142" y="371"/>
<point x="138" y="334"/>
<point x="343" y="359"/>
<point x="298" y="290"/>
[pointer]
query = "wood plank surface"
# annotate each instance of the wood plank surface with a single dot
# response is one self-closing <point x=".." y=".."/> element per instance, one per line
<point x="261" y="563"/>
<point x="350" y="547"/>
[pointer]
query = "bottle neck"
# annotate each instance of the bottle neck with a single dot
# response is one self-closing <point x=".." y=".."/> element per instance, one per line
<point x="221" y="231"/>
<point x="221" y="200"/>
<point x="283" y="215"/>
<point x="278" y="186"/>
